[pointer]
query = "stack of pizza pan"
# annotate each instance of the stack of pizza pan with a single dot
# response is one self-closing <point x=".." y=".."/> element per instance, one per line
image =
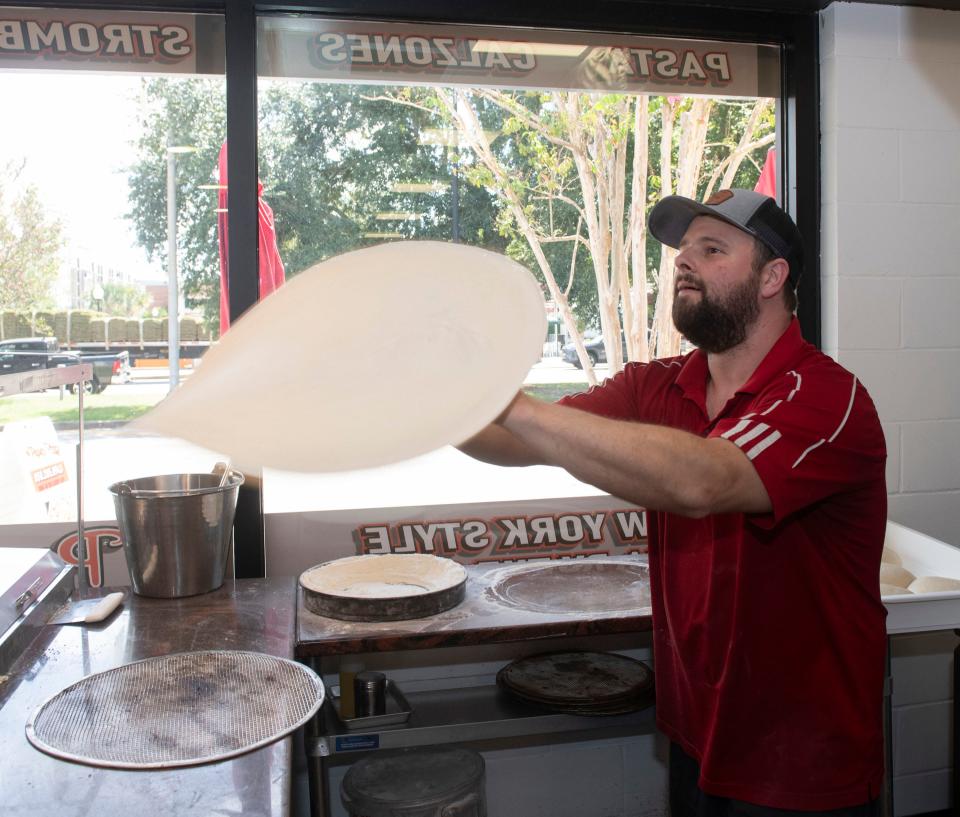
<point x="580" y="682"/>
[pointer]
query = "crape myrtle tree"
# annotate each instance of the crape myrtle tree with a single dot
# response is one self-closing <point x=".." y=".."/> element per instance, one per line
<point x="335" y="160"/>
<point x="581" y="170"/>
<point x="561" y="181"/>
<point x="30" y="244"/>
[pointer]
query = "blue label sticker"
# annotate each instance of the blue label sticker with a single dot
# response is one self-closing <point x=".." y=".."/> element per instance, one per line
<point x="354" y="743"/>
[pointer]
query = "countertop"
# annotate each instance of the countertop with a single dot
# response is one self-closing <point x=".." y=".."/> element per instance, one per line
<point x="251" y="614"/>
<point x="565" y="605"/>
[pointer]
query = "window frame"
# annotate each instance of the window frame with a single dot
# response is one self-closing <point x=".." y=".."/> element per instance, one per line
<point x="797" y="34"/>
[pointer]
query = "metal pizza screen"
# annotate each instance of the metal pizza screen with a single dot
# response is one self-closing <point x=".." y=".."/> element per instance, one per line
<point x="177" y="710"/>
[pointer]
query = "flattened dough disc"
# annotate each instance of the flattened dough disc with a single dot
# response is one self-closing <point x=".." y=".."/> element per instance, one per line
<point x="369" y="358"/>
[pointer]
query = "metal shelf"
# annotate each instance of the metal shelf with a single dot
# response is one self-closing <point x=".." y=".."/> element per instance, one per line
<point x="479" y="713"/>
<point x="41" y="379"/>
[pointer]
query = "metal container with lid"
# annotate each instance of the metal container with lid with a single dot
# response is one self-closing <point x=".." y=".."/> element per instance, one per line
<point x="427" y="782"/>
<point x="370" y="693"/>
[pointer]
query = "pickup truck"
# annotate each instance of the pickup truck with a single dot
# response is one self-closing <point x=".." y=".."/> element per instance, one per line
<point x="23" y="354"/>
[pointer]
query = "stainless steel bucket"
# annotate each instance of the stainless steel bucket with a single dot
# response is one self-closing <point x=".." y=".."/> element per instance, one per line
<point x="177" y="530"/>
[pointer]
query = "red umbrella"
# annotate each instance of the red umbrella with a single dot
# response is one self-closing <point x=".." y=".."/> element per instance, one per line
<point x="271" y="266"/>
<point x="767" y="183"/>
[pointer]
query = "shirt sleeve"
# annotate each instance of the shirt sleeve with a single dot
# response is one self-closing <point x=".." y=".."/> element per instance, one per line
<point x="615" y="397"/>
<point x="809" y="436"/>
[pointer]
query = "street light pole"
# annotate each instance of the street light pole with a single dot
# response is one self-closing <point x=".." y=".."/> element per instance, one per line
<point x="173" y="289"/>
<point x="173" y="292"/>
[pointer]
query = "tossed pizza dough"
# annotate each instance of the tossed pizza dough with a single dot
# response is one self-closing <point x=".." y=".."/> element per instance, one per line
<point x="895" y="575"/>
<point x="893" y="590"/>
<point x="891" y="557"/>
<point x="366" y="359"/>
<point x="389" y="575"/>
<point x="934" y="584"/>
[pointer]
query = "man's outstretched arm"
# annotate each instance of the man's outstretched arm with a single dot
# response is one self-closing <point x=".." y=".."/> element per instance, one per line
<point x="652" y="466"/>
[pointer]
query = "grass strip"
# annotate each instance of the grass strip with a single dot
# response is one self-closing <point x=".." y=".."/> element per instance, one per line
<point x="96" y="407"/>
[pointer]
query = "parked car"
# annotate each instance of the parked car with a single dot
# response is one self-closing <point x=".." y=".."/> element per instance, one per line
<point x="596" y="351"/>
<point x="23" y="354"/>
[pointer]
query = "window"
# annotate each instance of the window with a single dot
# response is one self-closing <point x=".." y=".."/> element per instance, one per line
<point x="113" y="108"/>
<point x="374" y="132"/>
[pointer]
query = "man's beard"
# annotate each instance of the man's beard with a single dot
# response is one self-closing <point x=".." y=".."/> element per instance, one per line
<point x="714" y="325"/>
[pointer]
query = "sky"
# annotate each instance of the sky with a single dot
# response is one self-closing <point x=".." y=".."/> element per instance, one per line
<point x="75" y="131"/>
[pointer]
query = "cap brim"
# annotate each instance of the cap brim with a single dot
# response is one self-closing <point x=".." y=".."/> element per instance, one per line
<point x="670" y="218"/>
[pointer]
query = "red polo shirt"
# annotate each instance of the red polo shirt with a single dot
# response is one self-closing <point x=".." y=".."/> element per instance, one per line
<point x="769" y="633"/>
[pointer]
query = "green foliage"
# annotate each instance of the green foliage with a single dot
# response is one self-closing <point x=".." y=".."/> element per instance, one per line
<point x="182" y="113"/>
<point x="30" y="244"/>
<point x="330" y="156"/>
<point x="121" y="299"/>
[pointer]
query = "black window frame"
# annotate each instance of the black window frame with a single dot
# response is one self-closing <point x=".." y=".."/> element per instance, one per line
<point x="796" y="32"/>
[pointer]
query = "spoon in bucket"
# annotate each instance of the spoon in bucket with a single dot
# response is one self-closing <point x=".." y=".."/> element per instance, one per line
<point x="222" y="468"/>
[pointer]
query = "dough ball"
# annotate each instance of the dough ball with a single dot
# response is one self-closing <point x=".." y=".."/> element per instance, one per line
<point x="934" y="584"/>
<point x="891" y="557"/>
<point x="892" y="590"/>
<point x="895" y="575"/>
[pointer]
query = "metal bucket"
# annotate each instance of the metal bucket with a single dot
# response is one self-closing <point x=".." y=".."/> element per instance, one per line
<point x="177" y="530"/>
<point x="429" y="782"/>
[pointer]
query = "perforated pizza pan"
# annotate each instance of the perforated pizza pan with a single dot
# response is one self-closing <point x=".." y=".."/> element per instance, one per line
<point x="183" y="709"/>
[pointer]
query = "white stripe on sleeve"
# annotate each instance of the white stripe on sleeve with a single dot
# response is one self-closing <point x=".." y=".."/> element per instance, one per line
<point x="741" y="426"/>
<point x="752" y="434"/>
<point x="763" y="445"/>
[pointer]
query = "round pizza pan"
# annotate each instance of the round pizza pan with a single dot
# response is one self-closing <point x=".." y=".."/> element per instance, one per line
<point x="388" y="587"/>
<point x="580" y="681"/>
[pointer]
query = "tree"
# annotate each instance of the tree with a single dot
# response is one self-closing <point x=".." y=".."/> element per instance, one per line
<point x="333" y="161"/>
<point x="182" y="113"/>
<point x="561" y="181"/>
<point x="580" y="169"/>
<point x="30" y="244"/>
<point x="122" y="299"/>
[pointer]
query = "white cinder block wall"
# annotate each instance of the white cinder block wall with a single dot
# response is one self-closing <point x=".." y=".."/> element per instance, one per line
<point x="890" y="94"/>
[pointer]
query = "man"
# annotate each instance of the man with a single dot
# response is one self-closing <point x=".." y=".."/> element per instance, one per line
<point x="761" y="463"/>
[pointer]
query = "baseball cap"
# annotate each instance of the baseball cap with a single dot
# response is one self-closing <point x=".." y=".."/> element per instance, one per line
<point x="752" y="212"/>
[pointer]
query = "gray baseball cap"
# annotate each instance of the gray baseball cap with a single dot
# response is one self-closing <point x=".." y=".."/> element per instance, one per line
<point x="752" y="212"/>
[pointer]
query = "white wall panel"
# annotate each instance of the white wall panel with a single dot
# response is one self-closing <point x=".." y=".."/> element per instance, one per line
<point x="936" y="514"/>
<point x="868" y="165"/>
<point x="909" y="384"/>
<point x="863" y="96"/>
<point x="865" y="32"/>
<point x="922" y="737"/>
<point x="926" y="95"/>
<point x="930" y="307"/>
<point x="897" y="239"/>
<point x="931" y="456"/>
<point x="922" y="667"/>
<point x="870" y="308"/>
<point x="922" y="793"/>
<point x="930" y="166"/>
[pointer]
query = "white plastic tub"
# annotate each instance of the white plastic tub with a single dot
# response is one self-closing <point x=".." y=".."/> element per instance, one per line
<point x="923" y="555"/>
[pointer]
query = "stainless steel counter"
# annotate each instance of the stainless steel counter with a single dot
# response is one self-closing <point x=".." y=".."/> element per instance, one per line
<point x="253" y="614"/>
